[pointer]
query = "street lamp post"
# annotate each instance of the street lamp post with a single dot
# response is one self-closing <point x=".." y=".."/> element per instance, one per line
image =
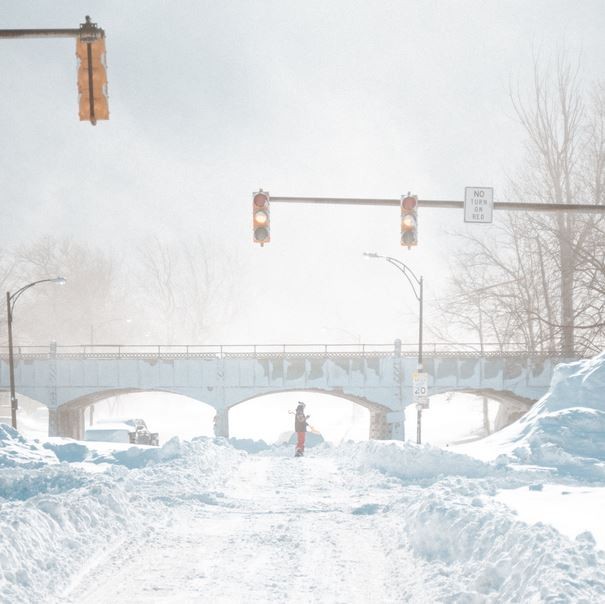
<point x="11" y="299"/>
<point x="417" y="286"/>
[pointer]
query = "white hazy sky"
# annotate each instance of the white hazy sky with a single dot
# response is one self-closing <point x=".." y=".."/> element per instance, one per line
<point x="211" y="100"/>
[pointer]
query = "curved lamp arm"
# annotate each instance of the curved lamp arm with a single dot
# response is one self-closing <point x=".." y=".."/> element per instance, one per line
<point x="14" y="297"/>
<point x="404" y="268"/>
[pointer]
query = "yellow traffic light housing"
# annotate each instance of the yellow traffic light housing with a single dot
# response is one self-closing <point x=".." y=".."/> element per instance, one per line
<point x="409" y="220"/>
<point x="260" y="217"/>
<point x="92" y="75"/>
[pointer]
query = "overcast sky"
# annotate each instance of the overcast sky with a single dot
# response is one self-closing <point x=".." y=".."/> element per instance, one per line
<point x="211" y="100"/>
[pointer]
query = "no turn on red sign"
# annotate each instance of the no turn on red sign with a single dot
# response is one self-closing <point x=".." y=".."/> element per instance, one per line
<point x="478" y="204"/>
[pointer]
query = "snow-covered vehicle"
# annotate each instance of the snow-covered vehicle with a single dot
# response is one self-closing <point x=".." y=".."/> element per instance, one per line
<point x="133" y="431"/>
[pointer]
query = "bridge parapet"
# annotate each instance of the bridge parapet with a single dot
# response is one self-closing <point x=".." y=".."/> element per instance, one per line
<point x="221" y="351"/>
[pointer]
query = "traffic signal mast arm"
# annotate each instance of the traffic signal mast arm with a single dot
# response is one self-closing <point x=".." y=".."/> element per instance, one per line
<point x="92" y="76"/>
<point x="454" y="204"/>
<point x="39" y="33"/>
<point x="87" y="31"/>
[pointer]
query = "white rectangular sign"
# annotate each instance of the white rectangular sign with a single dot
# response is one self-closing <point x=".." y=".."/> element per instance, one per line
<point x="478" y="204"/>
<point x="420" y="389"/>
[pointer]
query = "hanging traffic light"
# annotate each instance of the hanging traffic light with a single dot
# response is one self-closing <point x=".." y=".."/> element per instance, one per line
<point x="409" y="220"/>
<point x="260" y="217"/>
<point x="92" y="74"/>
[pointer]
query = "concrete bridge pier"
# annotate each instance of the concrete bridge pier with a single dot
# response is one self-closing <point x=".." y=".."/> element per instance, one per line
<point x="380" y="429"/>
<point x="53" y="422"/>
<point x="67" y="423"/>
<point x="221" y="423"/>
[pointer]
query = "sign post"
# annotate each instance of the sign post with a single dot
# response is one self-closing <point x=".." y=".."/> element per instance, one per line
<point x="420" y="396"/>
<point x="478" y="204"/>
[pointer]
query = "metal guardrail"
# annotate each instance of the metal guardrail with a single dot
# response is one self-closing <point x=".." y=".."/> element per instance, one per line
<point x="260" y="351"/>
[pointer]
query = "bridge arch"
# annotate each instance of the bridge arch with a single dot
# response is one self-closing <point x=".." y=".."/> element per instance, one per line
<point x="512" y="406"/>
<point x="379" y="427"/>
<point x="457" y="416"/>
<point x="70" y="418"/>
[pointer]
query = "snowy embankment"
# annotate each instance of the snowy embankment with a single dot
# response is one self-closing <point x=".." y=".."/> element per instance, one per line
<point x="564" y="431"/>
<point x="448" y="516"/>
<point x="382" y="521"/>
<point x="58" y="512"/>
<point x="59" y="520"/>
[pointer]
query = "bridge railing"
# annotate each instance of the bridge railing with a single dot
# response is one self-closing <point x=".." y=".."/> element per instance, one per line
<point x="221" y="351"/>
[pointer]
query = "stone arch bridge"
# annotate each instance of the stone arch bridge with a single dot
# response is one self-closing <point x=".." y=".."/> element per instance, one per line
<point x="70" y="379"/>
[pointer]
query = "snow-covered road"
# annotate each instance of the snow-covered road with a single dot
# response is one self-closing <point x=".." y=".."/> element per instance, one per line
<point x="374" y="521"/>
<point x="282" y="529"/>
<point x="201" y="520"/>
<point x="331" y="527"/>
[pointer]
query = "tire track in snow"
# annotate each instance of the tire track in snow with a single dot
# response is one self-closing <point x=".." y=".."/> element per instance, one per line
<point x="285" y="531"/>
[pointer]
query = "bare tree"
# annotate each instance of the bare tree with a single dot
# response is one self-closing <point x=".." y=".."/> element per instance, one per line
<point x="211" y="290"/>
<point x="7" y="269"/>
<point x="157" y="281"/>
<point x="93" y="293"/>
<point x="188" y="289"/>
<point x="546" y="270"/>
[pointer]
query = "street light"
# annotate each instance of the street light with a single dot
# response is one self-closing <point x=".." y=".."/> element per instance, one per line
<point x="417" y="288"/>
<point x="11" y="299"/>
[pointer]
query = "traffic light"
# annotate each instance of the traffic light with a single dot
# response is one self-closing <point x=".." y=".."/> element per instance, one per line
<point x="92" y="78"/>
<point x="260" y="217"/>
<point x="409" y="220"/>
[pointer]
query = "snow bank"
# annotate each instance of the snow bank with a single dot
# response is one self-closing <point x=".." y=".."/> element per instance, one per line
<point x="411" y="462"/>
<point x="448" y="517"/>
<point x="131" y="456"/>
<point x="579" y="384"/>
<point x="498" y="558"/>
<point x="45" y="538"/>
<point x="55" y="516"/>
<point x="16" y="450"/>
<point x="247" y="444"/>
<point x="571" y="440"/>
<point x="18" y="485"/>
<point x="565" y="430"/>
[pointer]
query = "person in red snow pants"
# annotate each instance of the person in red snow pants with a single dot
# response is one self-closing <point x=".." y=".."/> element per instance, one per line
<point x="300" y="427"/>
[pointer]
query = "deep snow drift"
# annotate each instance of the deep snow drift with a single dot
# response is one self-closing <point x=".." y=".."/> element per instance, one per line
<point x="564" y="431"/>
<point x="381" y="521"/>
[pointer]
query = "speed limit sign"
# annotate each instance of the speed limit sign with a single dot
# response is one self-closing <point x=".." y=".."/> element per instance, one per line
<point x="420" y="389"/>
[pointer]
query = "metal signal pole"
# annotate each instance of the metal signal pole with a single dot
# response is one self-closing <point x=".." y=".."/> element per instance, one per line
<point x="524" y="206"/>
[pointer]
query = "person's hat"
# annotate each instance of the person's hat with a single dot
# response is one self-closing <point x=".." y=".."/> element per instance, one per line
<point x="301" y="404"/>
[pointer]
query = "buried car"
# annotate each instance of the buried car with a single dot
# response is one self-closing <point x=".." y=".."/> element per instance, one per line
<point x="133" y="431"/>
